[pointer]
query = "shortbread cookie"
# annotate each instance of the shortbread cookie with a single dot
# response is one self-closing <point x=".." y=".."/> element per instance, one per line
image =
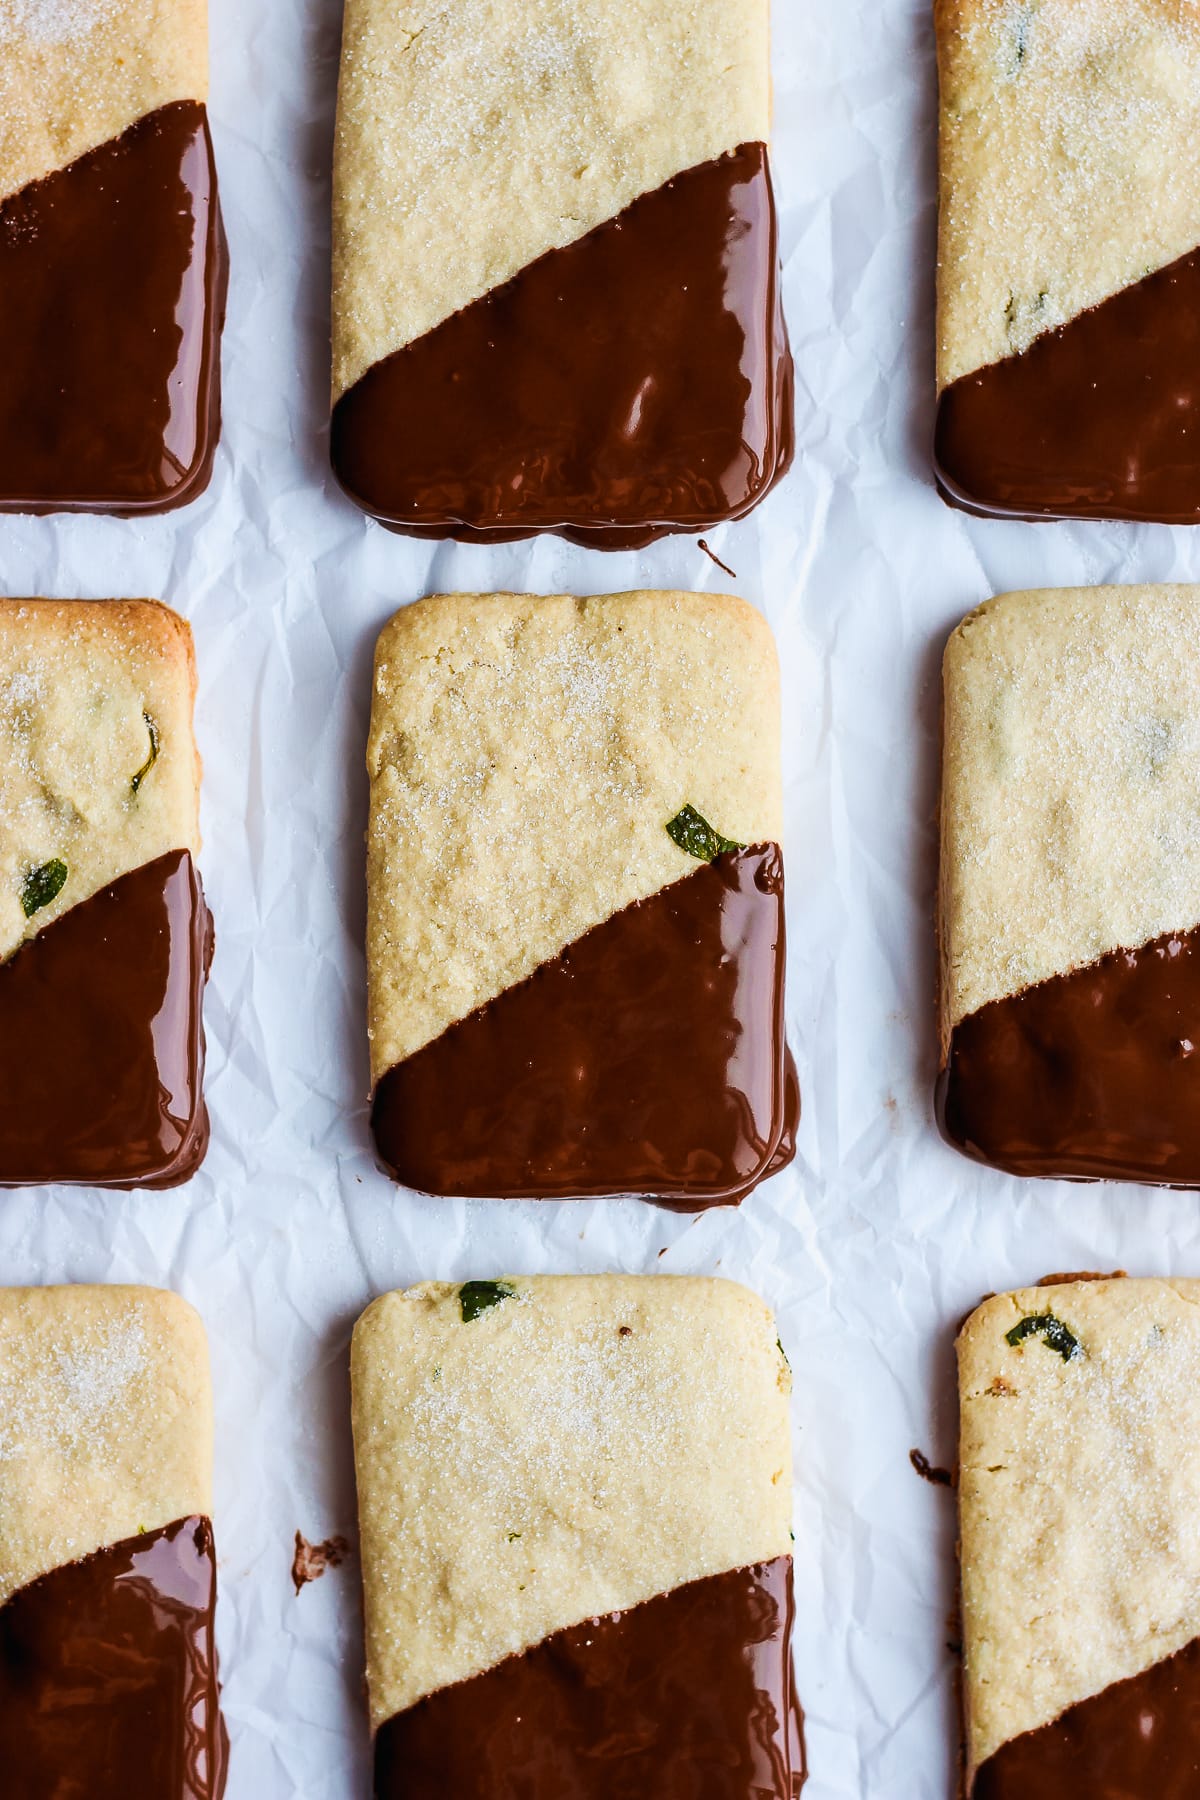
<point x="112" y="257"/>
<point x="1070" y="884"/>
<point x="1079" y="1500"/>
<point x="575" y="1509"/>
<point x="575" y="935"/>
<point x="1069" y="273"/>
<point x="108" y="1672"/>
<point x="556" y="294"/>
<point x="104" y="934"/>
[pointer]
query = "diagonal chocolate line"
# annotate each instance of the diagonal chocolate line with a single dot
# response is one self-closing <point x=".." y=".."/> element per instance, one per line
<point x="635" y="382"/>
<point x="647" y="1058"/>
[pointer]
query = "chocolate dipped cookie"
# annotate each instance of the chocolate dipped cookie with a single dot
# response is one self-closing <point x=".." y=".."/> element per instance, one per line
<point x="112" y="257"/>
<point x="575" y="1518"/>
<point x="1070" y="884"/>
<point x="1079" y="1490"/>
<point x="1068" y="263"/>
<point x="105" y="939"/>
<point x="108" y="1668"/>
<point x="575" y="925"/>
<point x="555" y="269"/>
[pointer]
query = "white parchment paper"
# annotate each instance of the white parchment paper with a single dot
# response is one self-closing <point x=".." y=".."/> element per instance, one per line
<point x="879" y="1238"/>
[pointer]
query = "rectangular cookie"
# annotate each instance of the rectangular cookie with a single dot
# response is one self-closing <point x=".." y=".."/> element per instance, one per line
<point x="105" y="940"/>
<point x="1068" y="261"/>
<point x="1070" y="884"/>
<point x="575" y="930"/>
<point x="575" y="1519"/>
<point x="108" y="1668"/>
<point x="555" y="269"/>
<point x="1079" y="1494"/>
<point x="112" y="257"/>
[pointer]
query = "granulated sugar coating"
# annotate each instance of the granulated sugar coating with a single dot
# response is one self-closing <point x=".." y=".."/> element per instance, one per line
<point x="1071" y="784"/>
<point x="1070" y="162"/>
<point x="525" y="758"/>
<point x="474" y="137"/>
<point x="81" y="687"/>
<point x="76" y="74"/>
<point x="501" y="59"/>
<point x="52" y="21"/>
<point x="105" y="1421"/>
<point x="577" y="1447"/>
<point x="1080" y="1532"/>
<point x="79" y="1394"/>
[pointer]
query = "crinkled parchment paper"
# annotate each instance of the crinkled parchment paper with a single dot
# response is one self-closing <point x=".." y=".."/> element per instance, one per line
<point x="879" y="1237"/>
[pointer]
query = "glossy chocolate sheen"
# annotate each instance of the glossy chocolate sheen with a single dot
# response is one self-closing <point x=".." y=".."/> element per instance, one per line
<point x="647" y="1058"/>
<point x="1137" y="1740"/>
<point x="1099" y="419"/>
<point x="112" y="297"/>
<point x="634" y="383"/>
<point x="686" y="1697"/>
<point x="108" y="1675"/>
<point x="102" y="1037"/>
<point x="1091" y="1074"/>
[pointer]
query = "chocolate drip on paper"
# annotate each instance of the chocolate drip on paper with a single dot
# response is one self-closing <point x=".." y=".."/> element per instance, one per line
<point x="1137" y="1740"/>
<point x="633" y="383"/>
<point x="1091" y="1074"/>
<point x="108" y="1675"/>
<point x="647" y="1058"/>
<point x="112" y="297"/>
<point x="311" y="1560"/>
<point x="1098" y="419"/>
<point x="102" y="1037"/>
<point x="686" y="1697"/>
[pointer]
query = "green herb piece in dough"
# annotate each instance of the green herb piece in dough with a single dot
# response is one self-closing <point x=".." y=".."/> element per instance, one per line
<point x="42" y="885"/>
<point x="1057" y="1335"/>
<point x="694" y="834"/>
<point x="477" y="1297"/>
<point x="150" y="761"/>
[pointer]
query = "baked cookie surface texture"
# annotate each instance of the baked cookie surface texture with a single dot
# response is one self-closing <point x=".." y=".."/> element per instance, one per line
<point x="556" y="289"/>
<point x="575" y="931"/>
<point x="105" y="939"/>
<point x="1079" y="1503"/>
<point x="112" y="257"/>
<point x="108" y="1669"/>
<point x="1068" y="265"/>
<point x="575" y="1512"/>
<point x="1070" y="885"/>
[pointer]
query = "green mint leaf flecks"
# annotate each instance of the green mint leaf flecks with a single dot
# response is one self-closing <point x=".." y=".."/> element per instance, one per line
<point x="694" y="834"/>
<point x="150" y="761"/>
<point x="42" y="885"/>
<point x="1057" y="1335"/>
<point x="477" y="1297"/>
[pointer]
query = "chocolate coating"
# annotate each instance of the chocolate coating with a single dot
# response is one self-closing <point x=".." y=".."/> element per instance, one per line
<point x="1091" y="1074"/>
<point x="108" y="1675"/>
<point x="1137" y="1740"/>
<point x="1099" y="419"/>
<point x="112" y="297"/>
<point x="102" y="1037"/>
<point x="647" y="1058"/>
<point x="636" y="382"/>
<point x="686" y="1697"/>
